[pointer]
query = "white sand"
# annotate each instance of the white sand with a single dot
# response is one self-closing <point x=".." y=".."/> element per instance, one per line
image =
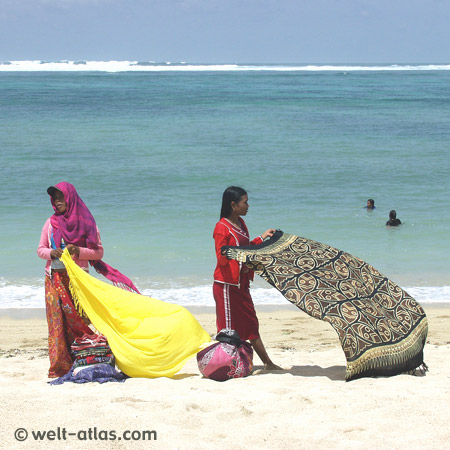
<point x="308" y="406"/>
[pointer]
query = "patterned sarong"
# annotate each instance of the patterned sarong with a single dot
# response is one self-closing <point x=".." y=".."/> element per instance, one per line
<point x="64" y="323"/>
<point x="382" y="329"/>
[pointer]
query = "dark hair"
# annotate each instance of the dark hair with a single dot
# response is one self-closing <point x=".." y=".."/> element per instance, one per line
<point x="393" y="214"/>
<point x="371" y="201"/>
<point x="231" y="194"/>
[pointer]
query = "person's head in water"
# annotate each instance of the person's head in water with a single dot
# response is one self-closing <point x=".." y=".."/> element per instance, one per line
<point x="370" y="203"/>
<point x="393" y="221"/>
<point x="232" y="197"/>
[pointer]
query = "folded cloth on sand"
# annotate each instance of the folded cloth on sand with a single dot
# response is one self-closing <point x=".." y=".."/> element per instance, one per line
<point x="91" y="342"/>
<point x="228" y="358"/>
<point x="101" y="373"/>
<point x="91" y="349"/>
<point x="382" y="329"/>
<point x="93" y="361"/>
<point x="149" y="338"/>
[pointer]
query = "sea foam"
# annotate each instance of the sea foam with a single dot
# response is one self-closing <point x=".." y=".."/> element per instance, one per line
<point x="32" y="296"/>
<point x="151" y="66"/>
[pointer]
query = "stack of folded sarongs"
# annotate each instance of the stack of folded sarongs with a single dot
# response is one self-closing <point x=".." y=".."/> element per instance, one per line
<point x="93" y="361"/>
<point x="382" y="329"/>
<point x="149" y="338"/>
<point x="91" y="349"/>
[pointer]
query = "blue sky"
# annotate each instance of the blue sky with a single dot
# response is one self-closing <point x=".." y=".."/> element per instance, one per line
<point x="213" y="31"/>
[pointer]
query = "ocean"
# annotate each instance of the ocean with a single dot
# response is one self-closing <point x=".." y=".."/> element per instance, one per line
<point x="151" y="147"/>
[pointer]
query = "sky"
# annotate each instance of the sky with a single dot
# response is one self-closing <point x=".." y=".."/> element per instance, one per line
<point x="227" y="31"/>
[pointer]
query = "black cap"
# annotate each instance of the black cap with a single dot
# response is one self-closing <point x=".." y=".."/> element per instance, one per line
<point x="51" y="191"/>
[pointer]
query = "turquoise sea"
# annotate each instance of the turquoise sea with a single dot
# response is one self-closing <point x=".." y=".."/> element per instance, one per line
<point x="150" y="148"/>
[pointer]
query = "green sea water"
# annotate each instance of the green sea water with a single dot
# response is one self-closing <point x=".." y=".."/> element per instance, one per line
<point x="150" y="153"/>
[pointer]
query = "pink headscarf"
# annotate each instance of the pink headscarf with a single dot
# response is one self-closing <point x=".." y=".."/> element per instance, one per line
<point x="77" y="226"/>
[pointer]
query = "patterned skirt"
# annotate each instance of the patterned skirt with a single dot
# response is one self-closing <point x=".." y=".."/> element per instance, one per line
<point x="64" y="323"/>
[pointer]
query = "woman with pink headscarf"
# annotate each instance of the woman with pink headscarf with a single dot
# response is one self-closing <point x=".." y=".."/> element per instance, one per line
<point x="72" y="226"/>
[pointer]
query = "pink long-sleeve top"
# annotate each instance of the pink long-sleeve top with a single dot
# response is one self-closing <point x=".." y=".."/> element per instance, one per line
<point x="86" y="254"/>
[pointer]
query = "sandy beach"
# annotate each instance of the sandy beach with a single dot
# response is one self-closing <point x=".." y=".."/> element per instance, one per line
<point x="307" y="406"/>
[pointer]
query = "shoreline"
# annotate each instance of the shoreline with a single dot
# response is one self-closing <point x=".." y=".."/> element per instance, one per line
<point x="39" y="313"/>
<point x="198" y="298"/>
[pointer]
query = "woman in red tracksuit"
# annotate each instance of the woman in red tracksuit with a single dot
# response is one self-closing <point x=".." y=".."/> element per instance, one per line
<point x="231" y="289"/>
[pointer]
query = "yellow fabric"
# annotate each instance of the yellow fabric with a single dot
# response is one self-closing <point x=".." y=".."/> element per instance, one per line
<point x="148" y="337"/>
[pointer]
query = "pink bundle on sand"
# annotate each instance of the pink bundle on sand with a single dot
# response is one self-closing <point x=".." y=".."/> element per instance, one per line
<point x="228" y="358"/>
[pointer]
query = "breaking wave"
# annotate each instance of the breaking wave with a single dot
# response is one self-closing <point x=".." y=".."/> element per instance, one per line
<point x="32" y="295"/>
<point x="152" y="66"/>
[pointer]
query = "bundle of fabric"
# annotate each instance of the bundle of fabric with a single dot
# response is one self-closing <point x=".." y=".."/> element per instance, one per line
<point x="149" y="338"/>
<point x="93" y="361"/>
<point x="382" y="329"/>
<point x="230" y="357"/>
<point x="91" y="349"/>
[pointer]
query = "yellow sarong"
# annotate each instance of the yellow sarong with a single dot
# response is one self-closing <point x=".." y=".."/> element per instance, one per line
<point x="148" y="337"/>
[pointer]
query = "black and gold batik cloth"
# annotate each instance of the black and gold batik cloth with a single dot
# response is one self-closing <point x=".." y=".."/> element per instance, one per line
<point x="382" y="329"/>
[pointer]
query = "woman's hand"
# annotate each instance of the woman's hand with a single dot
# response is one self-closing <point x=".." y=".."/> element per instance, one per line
<point x="73" y="249"/>
<point x="268" y="233"/>
<point x="56" y="253"/>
